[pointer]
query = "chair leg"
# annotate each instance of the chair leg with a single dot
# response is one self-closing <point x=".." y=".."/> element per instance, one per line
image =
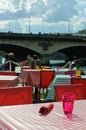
<point x="46" y="91"/>
<point x="39" y="94"/>
<point x="36" y="93"/>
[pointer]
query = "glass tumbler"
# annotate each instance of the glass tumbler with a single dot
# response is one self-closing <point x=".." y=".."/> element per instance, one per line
<point x="68" y="103"/>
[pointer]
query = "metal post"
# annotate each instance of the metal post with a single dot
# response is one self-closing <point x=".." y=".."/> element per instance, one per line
<point x="29" y="24"/>
<point x="9" y="28"/>
<point x="69" y="27"/>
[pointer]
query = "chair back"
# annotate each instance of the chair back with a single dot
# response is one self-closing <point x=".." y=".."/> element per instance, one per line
<point x="15" y="96"/>
<point x="46" y="78"/>
<point x="9" y="73"/>
<point x="77" y="89"/>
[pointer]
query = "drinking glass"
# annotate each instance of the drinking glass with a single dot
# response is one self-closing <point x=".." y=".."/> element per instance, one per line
<point x="57" y="68"/>
<point x="43" y="67"/>
<point x="37" y="67"/>
<point x="53" y="68"/>
<point x="68" y="102"/>
<point x="78" y="72"/>
<point x="71" y="73"/>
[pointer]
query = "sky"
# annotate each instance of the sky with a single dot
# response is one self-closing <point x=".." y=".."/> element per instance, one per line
<point x="45" y="16"/>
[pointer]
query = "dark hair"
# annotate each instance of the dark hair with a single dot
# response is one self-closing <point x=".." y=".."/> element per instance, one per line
<point x="35" y="56"/>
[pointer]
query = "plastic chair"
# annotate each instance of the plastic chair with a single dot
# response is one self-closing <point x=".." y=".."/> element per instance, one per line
<point x="46" y="77"/>
<point x="15" y="96"/>
<point x="77" y="89"/>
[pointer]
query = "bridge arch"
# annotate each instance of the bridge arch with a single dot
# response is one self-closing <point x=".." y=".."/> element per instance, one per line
<point x="46" y="46"/>
<point x="19" y="51"/>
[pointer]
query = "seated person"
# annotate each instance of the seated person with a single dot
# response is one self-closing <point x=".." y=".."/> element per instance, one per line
<point x="10" y="63"/>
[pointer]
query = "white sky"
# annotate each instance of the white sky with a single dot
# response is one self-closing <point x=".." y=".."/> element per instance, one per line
<point x="45" y="16"/>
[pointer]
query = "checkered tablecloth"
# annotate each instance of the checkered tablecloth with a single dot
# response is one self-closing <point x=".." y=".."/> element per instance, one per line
<point x="59" y="79"/>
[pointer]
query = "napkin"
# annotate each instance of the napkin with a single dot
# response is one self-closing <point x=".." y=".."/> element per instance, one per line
<point x="46" y="109"/>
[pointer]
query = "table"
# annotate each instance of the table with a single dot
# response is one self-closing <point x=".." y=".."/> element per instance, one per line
<point x="25" y="67"/>
<point x="34" y="78"/>
<point x="30" y="77"/>
<point x="8" y="81"/>
<point x="10" y="73"/>
<point x="62" y="71"/>
<point x="26" y="117"/>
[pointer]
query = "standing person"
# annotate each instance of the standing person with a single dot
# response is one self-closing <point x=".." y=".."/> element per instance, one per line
<point x="35" y="62"/>
<point x="29" y="60"/>
<point x="70" y="65"/>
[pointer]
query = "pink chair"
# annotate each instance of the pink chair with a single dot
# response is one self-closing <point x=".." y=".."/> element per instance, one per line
<point x="15" y="96"/>
<point x="77" y="89"/>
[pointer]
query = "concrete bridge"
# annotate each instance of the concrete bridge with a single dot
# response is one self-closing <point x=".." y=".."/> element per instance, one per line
<point x="43" y="44"/>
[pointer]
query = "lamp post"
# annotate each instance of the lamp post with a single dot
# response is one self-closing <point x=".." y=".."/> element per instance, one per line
<point x="69" y="26"/>
<point x="29" y="24"/>
<point x="9" y="28"/>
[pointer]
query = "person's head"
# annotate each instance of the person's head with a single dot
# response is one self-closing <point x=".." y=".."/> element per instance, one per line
<point x="11" y="55"/>
<point x="35" y="57"/>
<point x="28" y="56"/>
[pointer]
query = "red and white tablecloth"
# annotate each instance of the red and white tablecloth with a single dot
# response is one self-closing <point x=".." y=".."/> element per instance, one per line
<point x="8" y="81"/>
<point x="26" y="117"/>
<point x="30" y="77"/>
